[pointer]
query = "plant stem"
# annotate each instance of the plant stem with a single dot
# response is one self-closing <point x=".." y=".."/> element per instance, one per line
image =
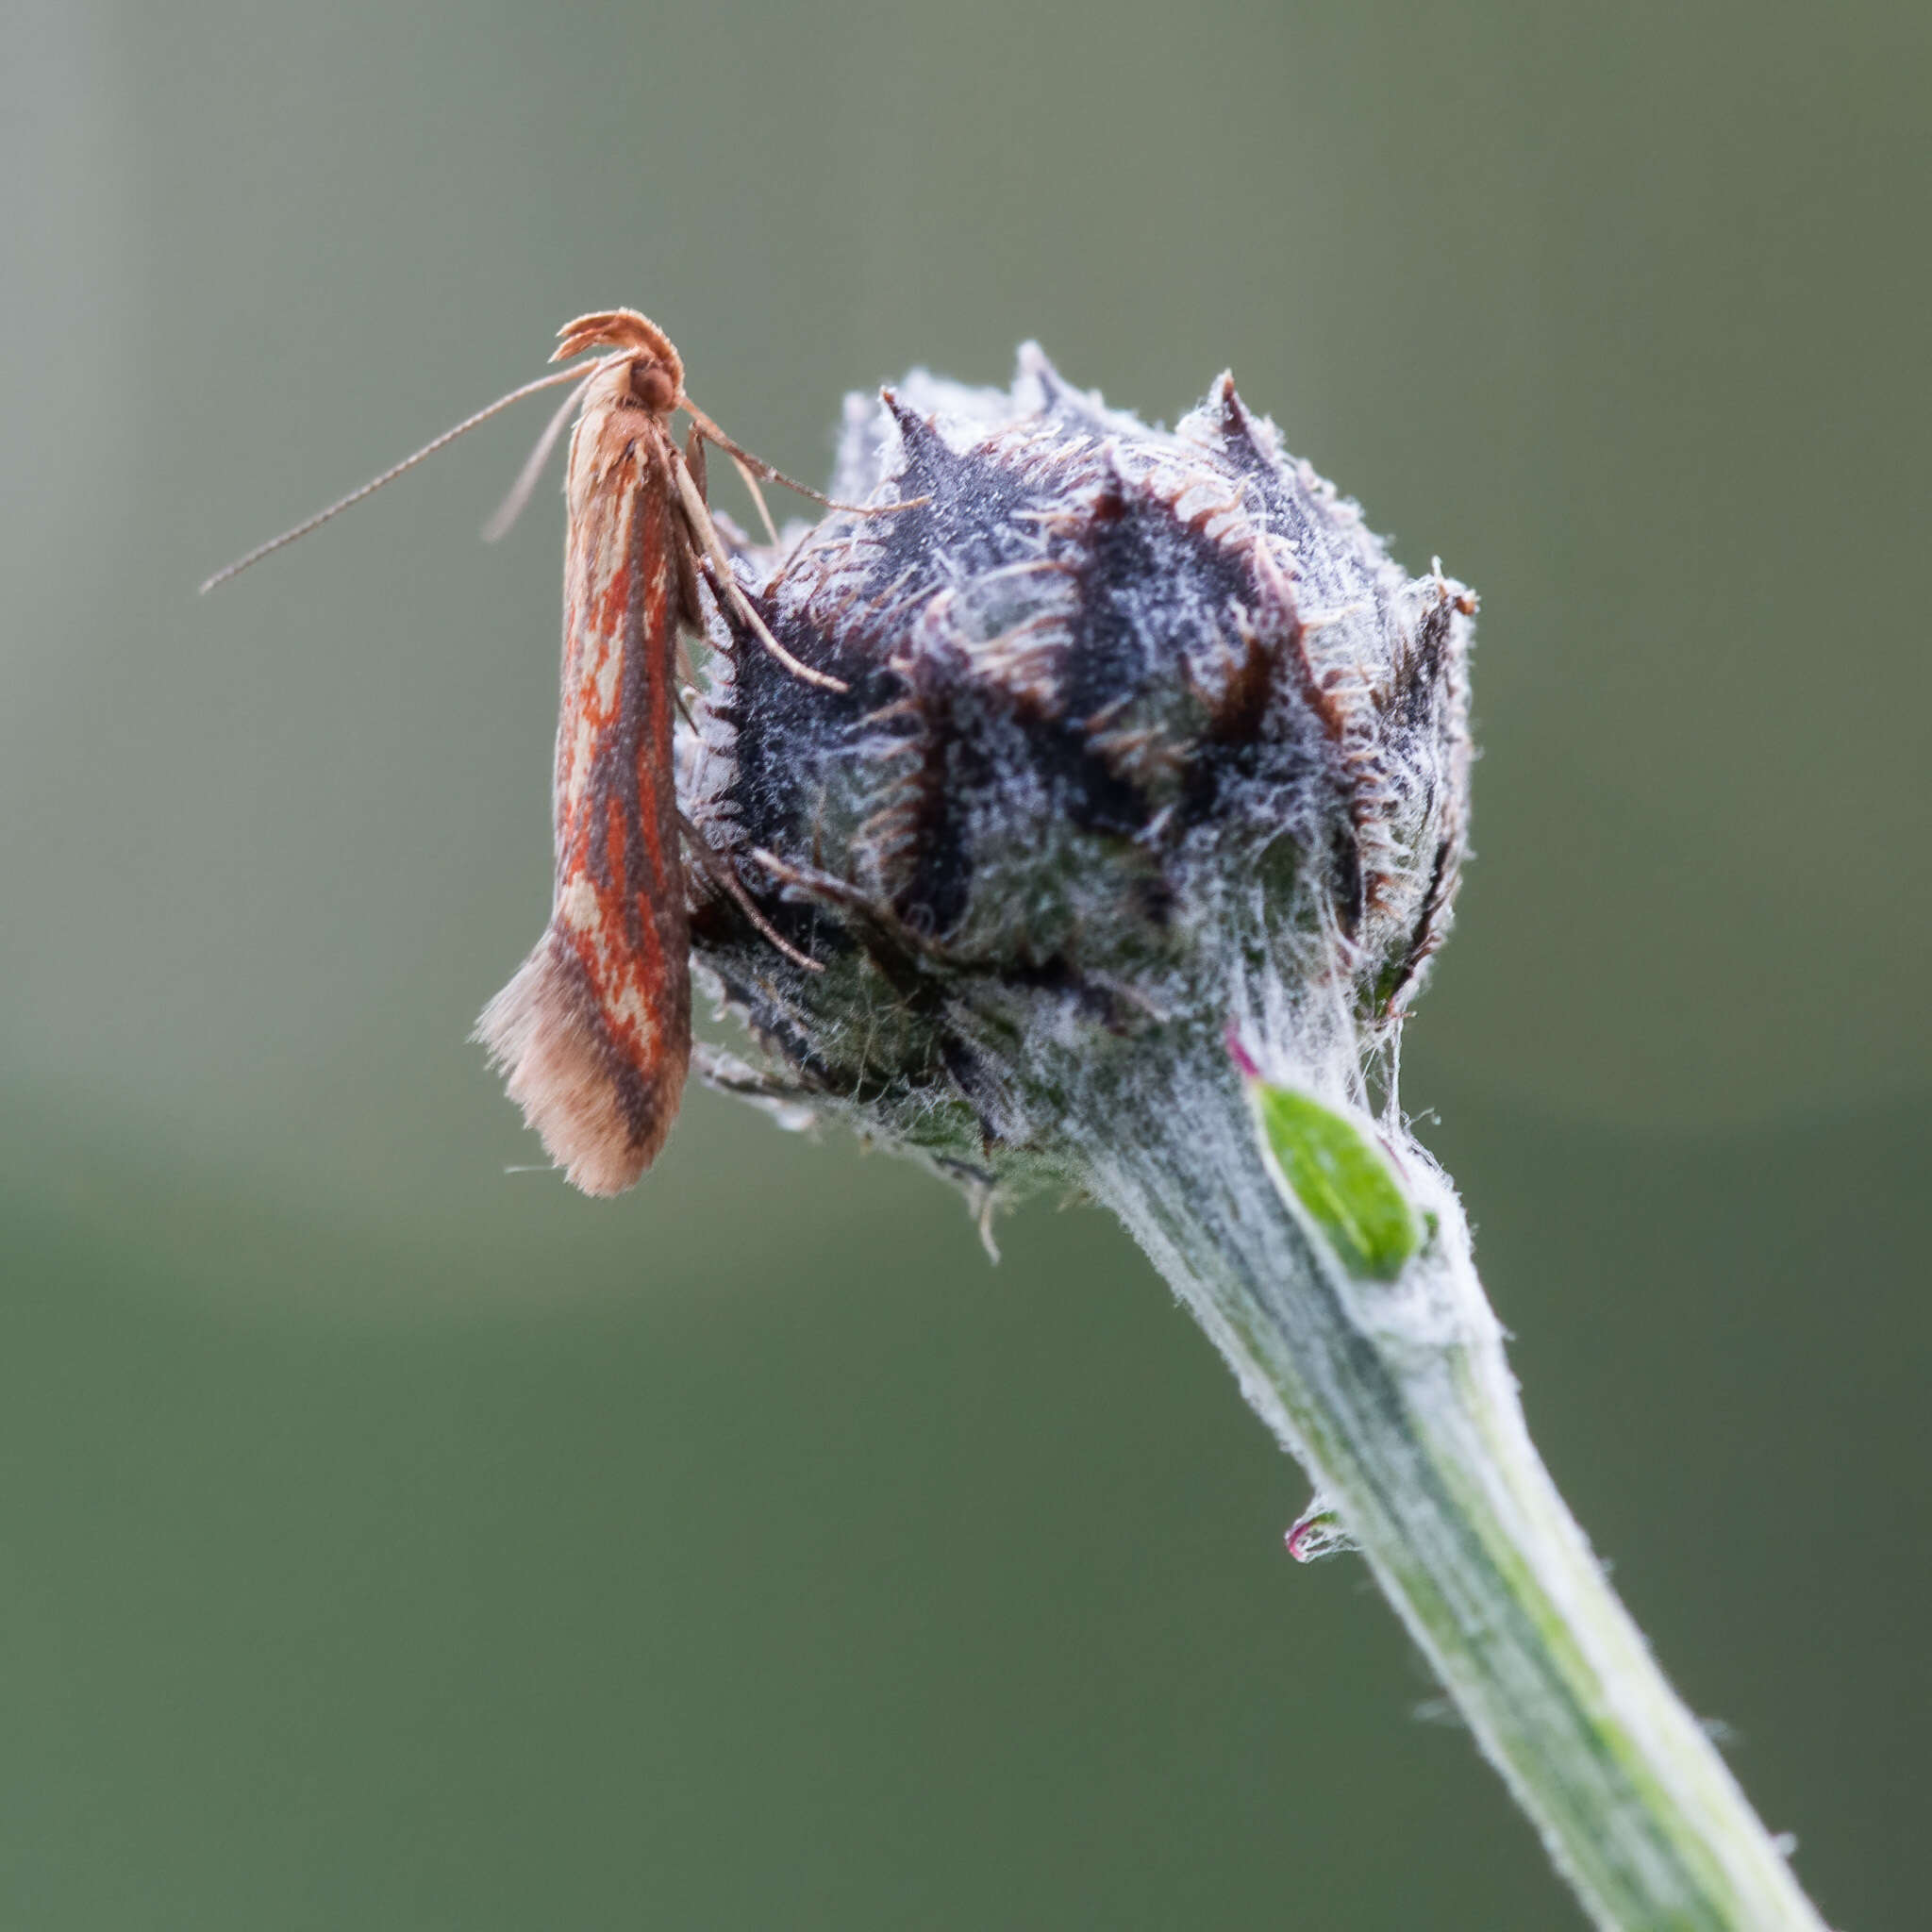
<point x="1399" y="1404"/>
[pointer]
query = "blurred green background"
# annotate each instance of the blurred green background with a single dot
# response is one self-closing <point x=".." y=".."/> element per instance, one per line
<point x="387" y="1540"/>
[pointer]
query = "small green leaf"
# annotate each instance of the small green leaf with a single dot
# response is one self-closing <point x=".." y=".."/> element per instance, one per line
<point x="1343" y="1180"/>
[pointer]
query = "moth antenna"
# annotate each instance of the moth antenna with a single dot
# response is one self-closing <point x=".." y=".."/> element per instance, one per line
<point x="512" y="505"/>
<point x="390" y="476"/>
<point x="758" y="466"/>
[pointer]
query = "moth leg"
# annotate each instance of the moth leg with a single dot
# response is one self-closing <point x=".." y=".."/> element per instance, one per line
<point x="874" y="914"/>
<point x="759" y="466"/>
<point x="719" y="870"/>
<point x="726" y="584"/>
<point x="690" y="609"/>
<point x="882" y="926"/>
<point x="694" y="456"/>
<point x="758" y="495"/>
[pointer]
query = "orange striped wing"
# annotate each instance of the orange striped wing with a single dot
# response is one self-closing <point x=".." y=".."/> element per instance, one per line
<point x="593" y="1033"/>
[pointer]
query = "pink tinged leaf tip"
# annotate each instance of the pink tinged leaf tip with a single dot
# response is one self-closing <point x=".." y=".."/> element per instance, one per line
<point x="1240" y="1055"/>
<point x="1317" y="1532"/>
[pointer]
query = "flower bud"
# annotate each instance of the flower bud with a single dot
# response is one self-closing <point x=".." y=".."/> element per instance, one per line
<point x="1144" y="736"/>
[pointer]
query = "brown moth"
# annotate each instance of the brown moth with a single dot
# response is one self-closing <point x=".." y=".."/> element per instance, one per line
<point x="593" y="1032"/>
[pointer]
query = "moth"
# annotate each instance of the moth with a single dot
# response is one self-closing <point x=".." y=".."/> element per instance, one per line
<point x="592" y="1034"/>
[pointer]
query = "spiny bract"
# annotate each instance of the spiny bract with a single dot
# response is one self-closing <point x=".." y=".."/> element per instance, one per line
<point x="1145" y="731"/>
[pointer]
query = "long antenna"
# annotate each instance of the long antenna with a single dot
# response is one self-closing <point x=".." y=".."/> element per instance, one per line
<point x="376" y="483"/>
<point x="511" y="507"/>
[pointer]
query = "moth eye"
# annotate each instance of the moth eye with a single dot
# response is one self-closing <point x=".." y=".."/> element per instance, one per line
<point x="650" y="384"/>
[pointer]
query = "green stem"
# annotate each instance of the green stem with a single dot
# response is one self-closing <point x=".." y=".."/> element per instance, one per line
<point x="1397" y="1400"/>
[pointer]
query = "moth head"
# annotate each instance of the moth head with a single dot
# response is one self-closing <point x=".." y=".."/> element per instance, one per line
<point x="655" y="377"/>
<point x="655" y="385"/>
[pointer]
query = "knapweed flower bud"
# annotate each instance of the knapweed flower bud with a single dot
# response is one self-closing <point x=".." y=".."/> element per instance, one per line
<point x="1113" y="857"/>
<point x="1146" y="737"/>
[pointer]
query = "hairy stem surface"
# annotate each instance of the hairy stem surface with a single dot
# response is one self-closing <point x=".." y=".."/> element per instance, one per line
<point x="1397" y="1400"/>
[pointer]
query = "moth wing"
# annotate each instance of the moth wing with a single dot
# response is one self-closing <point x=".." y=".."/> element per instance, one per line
<point x="593" y="1033"/>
